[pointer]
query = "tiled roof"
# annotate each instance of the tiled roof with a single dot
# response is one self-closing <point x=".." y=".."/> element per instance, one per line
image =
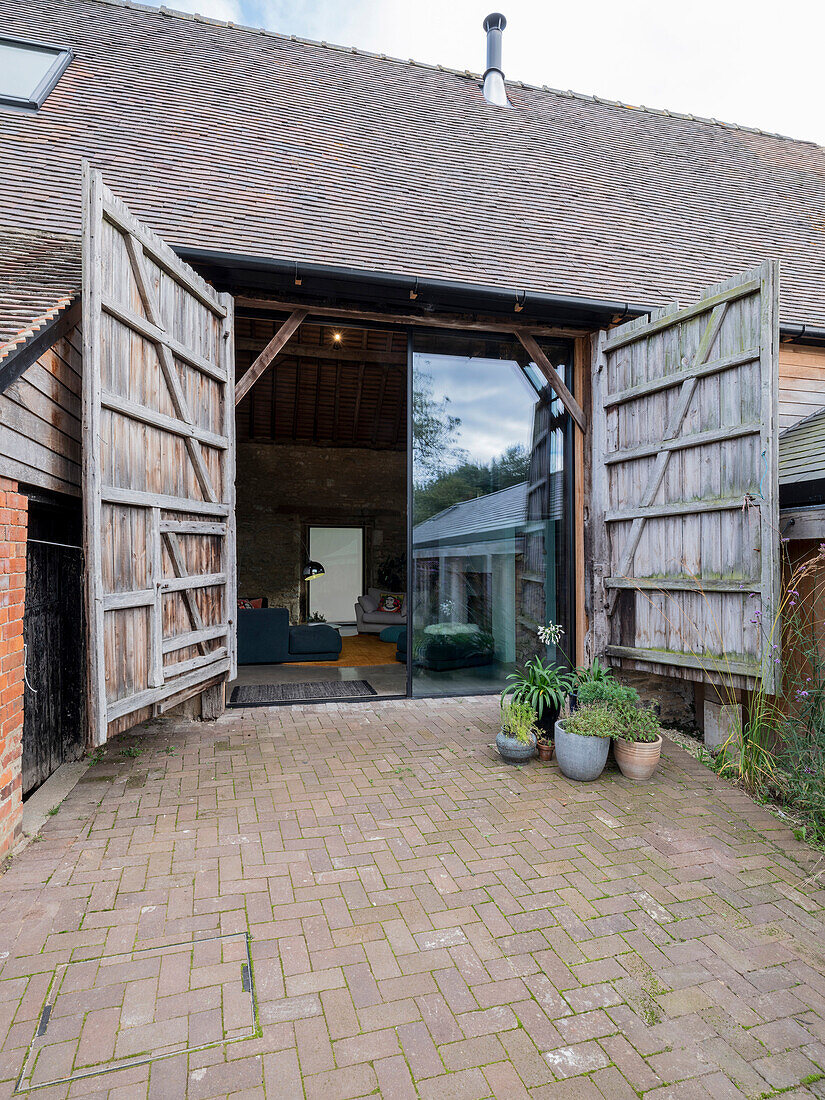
<point x="494" y="512"/>
<point x="248" y="142"/>
<point x="39" y="278"/>
<point x="802" y="450"/>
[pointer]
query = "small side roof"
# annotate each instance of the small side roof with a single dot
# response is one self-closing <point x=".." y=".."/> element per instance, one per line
<point x="40" y="276"/>
<point x="481" y="515"/>
<point x="802" y="450"/>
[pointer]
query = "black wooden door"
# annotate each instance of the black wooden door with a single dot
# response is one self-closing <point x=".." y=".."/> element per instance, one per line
<point x="54" y="639"/>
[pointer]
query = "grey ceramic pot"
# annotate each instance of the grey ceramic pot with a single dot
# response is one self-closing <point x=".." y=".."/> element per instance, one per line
<point x="581" y="758"/>
<point x="514" y="751"/>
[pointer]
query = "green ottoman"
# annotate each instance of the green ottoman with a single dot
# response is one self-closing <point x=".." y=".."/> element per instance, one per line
<point x="391" y="633"/>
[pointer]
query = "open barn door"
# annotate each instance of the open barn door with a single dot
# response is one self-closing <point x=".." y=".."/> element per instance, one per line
<point x="159" y="470"/>
<point x="685" y="488"/>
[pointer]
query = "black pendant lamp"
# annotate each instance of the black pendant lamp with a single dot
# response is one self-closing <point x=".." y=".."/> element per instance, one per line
<point x="312" y="569"/>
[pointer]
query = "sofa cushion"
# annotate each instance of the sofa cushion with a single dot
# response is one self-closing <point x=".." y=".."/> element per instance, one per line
<point x="368" y="603"/>
<point x="392" y="602"/>
<point x="310" y="640"/>
<point x="388" y="617"/>
<point x="377" y="593"/>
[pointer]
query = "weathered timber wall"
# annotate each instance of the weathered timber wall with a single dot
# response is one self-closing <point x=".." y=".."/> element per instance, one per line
<point x="801" y="382"/>
<point x="40" y="420"/>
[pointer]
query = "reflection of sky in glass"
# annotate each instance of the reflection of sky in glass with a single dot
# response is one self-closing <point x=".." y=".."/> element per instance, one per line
<point x="492" y="398"/>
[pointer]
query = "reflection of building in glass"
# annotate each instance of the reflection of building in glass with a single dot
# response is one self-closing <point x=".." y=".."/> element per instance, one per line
<point x="491" y="562"/>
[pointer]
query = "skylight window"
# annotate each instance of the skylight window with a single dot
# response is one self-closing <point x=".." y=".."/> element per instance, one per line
<point x="29" y="71"/>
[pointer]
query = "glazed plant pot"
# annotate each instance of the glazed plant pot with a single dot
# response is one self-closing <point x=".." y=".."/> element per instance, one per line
<point x="580" y="758"/>
<point x="547" y="722"/>
<point x="637" y="760"/>
<point x="546" y="749"/>
<point x="513" y="751"/>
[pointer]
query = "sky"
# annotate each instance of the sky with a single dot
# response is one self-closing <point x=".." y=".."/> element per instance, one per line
<point x="754" y="63"/>
<point x="494" y="412"/>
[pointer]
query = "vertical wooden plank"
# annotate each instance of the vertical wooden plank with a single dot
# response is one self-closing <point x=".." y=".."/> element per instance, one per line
<point x="156" y="612"/>
<point x="229" y="562"/>
<point x="769" y="501"/>
<point x="96" y="672"/>
<point x="582" y="444"/>
<point x="600" y="536"/>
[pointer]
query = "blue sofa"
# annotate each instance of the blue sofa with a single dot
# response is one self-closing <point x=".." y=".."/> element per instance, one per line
<point x="266" y="638"/>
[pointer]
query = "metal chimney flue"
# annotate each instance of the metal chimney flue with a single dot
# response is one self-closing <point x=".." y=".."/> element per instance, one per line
<point x="494" y="90"/>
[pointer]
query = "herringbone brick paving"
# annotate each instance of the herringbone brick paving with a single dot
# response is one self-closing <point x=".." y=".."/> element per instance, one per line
<point x="424" y="920"/>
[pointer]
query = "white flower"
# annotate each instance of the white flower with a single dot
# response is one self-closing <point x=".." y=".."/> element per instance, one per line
<point x="550" y="634"/>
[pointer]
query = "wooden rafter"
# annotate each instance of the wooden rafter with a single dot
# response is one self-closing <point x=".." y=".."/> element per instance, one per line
<point x="272" y="349"/>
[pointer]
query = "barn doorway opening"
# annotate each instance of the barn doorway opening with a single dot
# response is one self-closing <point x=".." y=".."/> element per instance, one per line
<point x="321" y="510"/>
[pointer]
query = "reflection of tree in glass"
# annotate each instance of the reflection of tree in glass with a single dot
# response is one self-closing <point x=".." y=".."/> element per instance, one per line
<point x="434" y="429"/>
<point x="471" y="479"/>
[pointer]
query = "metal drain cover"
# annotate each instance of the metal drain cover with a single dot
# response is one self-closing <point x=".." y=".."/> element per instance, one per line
<point x="108" y="1013"/>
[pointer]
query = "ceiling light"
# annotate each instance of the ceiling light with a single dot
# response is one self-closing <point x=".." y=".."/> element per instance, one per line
<point x="336" y="336"/>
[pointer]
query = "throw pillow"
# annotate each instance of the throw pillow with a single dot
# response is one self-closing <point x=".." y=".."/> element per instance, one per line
<point x="369" y="603"/>
<point x="246" y="605"/>
<point x="391" y="602"/>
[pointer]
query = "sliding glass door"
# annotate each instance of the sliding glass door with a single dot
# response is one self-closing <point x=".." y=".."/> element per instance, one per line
<point x="491" y="540"/>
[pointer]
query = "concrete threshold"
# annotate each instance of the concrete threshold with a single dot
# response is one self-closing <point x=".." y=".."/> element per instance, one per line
<point x="50" y="794"/>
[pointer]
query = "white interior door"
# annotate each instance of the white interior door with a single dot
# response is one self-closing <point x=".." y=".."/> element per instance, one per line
<point x="341" y="552"/>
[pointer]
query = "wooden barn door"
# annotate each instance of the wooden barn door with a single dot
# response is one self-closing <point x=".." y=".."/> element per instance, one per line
<point x="685" y="486"/>
<point x="159" y="468"/>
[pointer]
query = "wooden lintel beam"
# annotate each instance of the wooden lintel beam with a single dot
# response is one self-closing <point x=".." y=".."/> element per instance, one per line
<point x="553" y="377"/>
<point x="428" y="320"/>
<point x="275" y="345"/>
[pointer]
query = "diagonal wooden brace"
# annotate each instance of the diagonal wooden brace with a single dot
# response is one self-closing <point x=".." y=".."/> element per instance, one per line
<point x="672" y="431"/>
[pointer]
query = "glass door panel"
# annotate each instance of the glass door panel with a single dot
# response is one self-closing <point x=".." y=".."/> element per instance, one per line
<point x="340" y="550"/>
<point x="491" y="497"/>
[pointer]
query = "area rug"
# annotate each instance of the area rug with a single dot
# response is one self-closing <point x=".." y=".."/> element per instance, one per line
<point x="358" y="649"/>
<point x="314" y="691"/>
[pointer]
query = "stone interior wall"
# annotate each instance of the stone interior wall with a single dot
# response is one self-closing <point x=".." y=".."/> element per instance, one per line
<point x="675" y="698"/>
<point x="282" y="486"/>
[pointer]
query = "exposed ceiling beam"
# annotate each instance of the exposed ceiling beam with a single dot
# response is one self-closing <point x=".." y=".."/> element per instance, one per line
<point x="290" y="325"/>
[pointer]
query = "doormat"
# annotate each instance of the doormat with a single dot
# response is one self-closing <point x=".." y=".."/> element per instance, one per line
<point x="314" y="691"/>
<point x="116" y="1011"/>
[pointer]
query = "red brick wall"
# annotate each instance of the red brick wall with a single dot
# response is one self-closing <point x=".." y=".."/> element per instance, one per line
<point x="13" y="523"/>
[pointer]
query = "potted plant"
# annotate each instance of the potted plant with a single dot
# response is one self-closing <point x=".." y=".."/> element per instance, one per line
<point x="516" y="741"/>
<point x="544" y="744"/>
<point x="583" y="741"/>
<point x="606" y="690"/>
<point x="595" y="673"/>
<point x="637" y="743"/>
<point x="542" y="686"/>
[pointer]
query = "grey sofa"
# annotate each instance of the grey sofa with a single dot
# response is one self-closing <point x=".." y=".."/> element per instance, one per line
<point x="372" y="621"/>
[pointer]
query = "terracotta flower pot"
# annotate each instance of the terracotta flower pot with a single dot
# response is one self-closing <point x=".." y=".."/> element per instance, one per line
<point x="546" y="749"/>
<point x="637" y="760"/>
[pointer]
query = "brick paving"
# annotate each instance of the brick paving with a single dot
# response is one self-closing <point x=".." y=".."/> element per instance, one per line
<point x="423" y="921"/>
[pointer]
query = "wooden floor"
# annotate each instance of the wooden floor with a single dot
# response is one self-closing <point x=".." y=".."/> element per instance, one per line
<point x="359" y="649"/>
